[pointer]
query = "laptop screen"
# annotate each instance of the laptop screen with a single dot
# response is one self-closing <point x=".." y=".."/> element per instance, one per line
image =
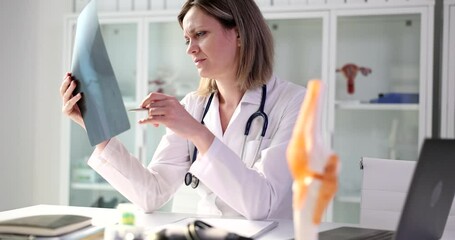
<point x="431" y="192"/>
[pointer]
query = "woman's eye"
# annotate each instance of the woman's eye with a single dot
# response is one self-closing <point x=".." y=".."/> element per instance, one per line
<point x="196" y="35"/>
<point x="200" y="34"/>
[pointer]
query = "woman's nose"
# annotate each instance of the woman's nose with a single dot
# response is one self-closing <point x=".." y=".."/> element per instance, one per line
<point x="192" y="48"/>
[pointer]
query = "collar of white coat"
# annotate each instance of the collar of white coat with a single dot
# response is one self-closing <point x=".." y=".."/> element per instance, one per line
<point x="254" y="95"/>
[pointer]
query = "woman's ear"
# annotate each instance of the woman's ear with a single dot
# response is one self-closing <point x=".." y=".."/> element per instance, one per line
<point x="236" y="29"/>
<point x="238" y="36"/>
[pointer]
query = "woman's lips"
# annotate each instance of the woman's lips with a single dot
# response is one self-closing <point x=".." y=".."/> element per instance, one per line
<point x="198" y="61"/>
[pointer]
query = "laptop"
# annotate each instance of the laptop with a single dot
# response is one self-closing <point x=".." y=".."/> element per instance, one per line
<point x="427" y="203"/>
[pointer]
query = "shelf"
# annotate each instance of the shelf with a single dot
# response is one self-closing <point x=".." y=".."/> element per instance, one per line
<point x="341" y="105"/>
<point x="92" y="186"/>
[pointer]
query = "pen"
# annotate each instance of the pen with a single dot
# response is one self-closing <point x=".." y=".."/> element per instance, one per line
<point x="138" y="109"/>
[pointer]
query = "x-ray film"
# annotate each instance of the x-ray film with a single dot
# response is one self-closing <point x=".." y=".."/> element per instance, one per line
<point x="101" y="105"/>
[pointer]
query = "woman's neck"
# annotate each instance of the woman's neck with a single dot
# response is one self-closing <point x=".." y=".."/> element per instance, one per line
<point x="229" y="97"/>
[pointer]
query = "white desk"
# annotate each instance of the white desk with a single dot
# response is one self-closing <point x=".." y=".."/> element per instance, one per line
<point x="105" y="217"/>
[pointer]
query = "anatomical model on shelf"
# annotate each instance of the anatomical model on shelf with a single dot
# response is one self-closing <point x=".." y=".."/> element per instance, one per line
<point x="314" y="167"/>
<point x="350" y="71"/>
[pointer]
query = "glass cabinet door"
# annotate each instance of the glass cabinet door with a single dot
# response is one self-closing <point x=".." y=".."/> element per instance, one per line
<point x="298" y="48"/>
<point x="448" y="72"/>
<point x="377" y="88"/>
<point x="87" y="187"/>
<point x="170" y="71"/>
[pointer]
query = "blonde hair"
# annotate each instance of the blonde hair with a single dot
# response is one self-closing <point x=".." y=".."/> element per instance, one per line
<point x="255" y="65"/>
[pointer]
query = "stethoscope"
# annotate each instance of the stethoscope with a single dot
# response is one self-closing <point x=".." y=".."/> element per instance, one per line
<point x="192" y="180"/>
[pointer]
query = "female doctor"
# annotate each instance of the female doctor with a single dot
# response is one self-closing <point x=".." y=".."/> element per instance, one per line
<point x="210" y="143"/>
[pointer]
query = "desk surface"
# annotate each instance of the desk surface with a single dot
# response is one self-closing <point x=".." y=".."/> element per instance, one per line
<point x="105" y="217"/>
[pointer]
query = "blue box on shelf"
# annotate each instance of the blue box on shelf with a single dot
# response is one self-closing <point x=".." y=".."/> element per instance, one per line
<point x="396" y="98"/>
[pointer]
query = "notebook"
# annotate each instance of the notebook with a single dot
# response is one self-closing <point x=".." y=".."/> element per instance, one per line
<point x="427" y="203"/>
<point x="44" y="225"/>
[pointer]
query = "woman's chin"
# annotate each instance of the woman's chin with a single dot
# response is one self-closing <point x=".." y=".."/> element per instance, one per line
<point x="203" y="74"/>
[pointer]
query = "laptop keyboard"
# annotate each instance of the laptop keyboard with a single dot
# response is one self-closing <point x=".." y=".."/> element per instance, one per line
<point x="385" y="235"/>
<point x="355" y="233"/>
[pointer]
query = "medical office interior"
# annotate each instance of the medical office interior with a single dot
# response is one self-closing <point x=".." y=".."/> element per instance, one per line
<point x="388" y="66"/>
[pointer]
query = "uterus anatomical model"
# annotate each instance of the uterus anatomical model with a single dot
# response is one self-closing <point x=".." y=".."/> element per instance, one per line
<point x="350" y="71"/>
<point x="313" y="166"/>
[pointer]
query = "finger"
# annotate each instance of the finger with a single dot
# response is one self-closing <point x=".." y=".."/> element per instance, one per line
<point x="154" y="120"/>
<point x="153" y="97"/>
<point x="66" y="82"/>
<point x="76" y="98"/>
<point x="69" y="91"/>
<point x="158" y="104"/>
<point x="169" y="104"/>
<point x="69" y="105"/>
<point x="160" y="108"/>
<point x="145" y="122"/>
<point x="157" y="112"/>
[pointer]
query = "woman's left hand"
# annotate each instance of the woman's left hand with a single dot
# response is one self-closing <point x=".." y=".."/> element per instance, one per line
<point x="167" y="110"/>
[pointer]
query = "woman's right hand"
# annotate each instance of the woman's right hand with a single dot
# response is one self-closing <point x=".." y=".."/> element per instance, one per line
<point x="70" y="107"/>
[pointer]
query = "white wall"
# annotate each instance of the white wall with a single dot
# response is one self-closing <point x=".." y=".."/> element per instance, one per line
<point x="30" y="74"/>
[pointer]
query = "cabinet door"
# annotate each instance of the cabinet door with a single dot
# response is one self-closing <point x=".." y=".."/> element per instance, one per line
<point x="378" y="97"/>
<point x="87" y="187"/>
<point x="170" y="71"/>
<point x="298" y="48"/>
<point x="448" y="72"/>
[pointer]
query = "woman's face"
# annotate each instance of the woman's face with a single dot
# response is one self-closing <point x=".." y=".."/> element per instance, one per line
<point x="213" y="48"/>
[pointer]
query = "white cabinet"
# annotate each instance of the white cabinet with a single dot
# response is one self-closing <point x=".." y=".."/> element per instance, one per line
<point x="311" y="41"/>
<point x="395" y="46"/>
<point x="448" y="72"/>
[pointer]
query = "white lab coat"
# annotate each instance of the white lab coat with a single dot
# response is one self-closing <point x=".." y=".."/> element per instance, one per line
<point x="228" y="186"/>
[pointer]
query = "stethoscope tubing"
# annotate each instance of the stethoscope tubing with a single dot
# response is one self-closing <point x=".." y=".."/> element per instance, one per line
<point x="190" y="179"/>
<point x="193" y="181"/>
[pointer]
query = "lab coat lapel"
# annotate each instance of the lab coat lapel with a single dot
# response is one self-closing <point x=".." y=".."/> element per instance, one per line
<point x="234" y="134"/>
<point x="212" y="119"/>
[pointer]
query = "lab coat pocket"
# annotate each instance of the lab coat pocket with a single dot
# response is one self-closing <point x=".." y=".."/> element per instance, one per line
<point x="252" y="153"/>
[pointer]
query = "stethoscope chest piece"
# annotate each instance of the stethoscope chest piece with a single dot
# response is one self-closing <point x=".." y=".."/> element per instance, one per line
<point x="192" y="180"/>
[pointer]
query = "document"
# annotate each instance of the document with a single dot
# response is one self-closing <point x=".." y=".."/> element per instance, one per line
<point x="101" y="105"/>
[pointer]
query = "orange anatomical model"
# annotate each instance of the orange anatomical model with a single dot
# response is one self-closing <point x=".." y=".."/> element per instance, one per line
<point x="313" y="166"/>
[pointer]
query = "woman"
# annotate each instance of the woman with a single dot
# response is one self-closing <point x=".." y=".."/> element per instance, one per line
<point x="232" y="48"/>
